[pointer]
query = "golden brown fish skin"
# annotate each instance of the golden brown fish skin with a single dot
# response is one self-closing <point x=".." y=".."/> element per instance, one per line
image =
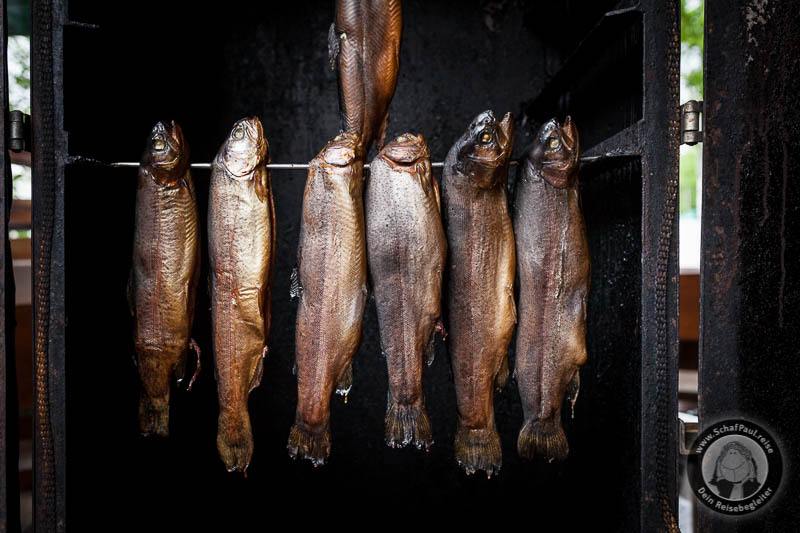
<point x="166" y="262"/>
<point x="241" y="245"/>
<point x="364" y="43"/>
<point x="332" y="270"/>
<point x="553" y="259"/>
<point x="481" y="263"/>
<point x="406" y="248"/>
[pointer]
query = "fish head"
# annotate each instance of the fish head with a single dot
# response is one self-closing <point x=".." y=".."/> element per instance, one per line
<point x="484" y="150"/>
<point x="555" y="153"/>
<point x="245" y="149"/>
<point x="166" y="157"/>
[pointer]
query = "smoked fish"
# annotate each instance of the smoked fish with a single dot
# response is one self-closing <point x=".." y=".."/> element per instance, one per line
<point x="480" y="291"/>
<point x="163" y="282"/>
<point x="241" y="245"/>
<point x="364" y="47"/>
<point x="553" y="258"/>
<point x="406" y="248"/>
<point x="331" y="282"/>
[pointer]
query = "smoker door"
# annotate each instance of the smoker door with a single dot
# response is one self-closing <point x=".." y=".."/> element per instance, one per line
<point x="750" y="276"/>
<point x="9" y="444"/>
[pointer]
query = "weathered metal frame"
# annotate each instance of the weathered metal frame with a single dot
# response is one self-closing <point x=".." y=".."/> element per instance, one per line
<point x="9" y="437"/>
<point x="748" y="364"/>
<point x="654" y="139"/>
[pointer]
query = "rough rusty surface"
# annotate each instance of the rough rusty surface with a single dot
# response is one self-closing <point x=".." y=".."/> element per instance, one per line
<point x="750" y="279"/>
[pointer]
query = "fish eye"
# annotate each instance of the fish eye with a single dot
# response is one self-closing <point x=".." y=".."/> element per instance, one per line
<point x="554" y="143"/>
<point x="159" y="143"/>
<point x="486" y="137"/>
<point x="238" y="133"/>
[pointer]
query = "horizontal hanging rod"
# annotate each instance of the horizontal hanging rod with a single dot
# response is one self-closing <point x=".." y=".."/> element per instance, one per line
<point x="304" y="166"/>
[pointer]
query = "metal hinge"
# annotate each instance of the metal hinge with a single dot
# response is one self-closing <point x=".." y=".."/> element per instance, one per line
<point x="687" y="432"/>
<point x="691" y="133"/>
<point x="19" y="137"/>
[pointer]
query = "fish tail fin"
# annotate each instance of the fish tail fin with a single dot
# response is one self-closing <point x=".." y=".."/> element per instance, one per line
<point x="305" y="443"/>
<point x="543" y="438"/>
<point x="235" y="440"/>
<point x="501" y="378"/>
<point x="345" y="382"/>
<point x="154" y="415"/>
<point x="408" y="424"/>
<point x="478" y="449"/>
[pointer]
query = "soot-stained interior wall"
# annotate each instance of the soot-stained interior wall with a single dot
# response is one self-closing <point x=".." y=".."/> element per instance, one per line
<point x="207" y="66"/>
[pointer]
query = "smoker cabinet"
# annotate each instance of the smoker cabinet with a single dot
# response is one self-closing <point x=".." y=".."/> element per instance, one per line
<point x="104" y="72"/>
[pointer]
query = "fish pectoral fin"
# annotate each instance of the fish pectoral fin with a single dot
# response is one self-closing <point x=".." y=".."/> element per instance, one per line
<point x="295" y="287"/>
<point x="333" y="46"/>
<point x="130" y="294"/>
<point x="573" y="389"/>
<point x="197" y="364"/>
<point x="258" y="371"/>
<point x="501" y="378"/>
<point x="345" y="382"/>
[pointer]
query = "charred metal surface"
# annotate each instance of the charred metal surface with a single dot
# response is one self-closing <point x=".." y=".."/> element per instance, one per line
<point x="9" y="435"/>
<point x="49" y="146"/>
<point x="750" y="277"/>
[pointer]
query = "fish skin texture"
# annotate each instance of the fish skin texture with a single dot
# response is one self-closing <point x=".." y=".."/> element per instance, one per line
<point x="332" y="276"/>
<point x="241" y="234"/>
<point x="364" y="48"/>
<point x="163" y="282"/>
<point x="406" y="248"/>
<point x="480" y="292"/>
<point x="553" y="263"/>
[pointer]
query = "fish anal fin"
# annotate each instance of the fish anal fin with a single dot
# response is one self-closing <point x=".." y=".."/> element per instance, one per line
<point x="258" y="371"/>
<point x="197" y="366"/>
<point x="430" y="351"/>
<point x="573" y="389"/>
<point x="295" y="287"/>
<point x="345" y="382"/>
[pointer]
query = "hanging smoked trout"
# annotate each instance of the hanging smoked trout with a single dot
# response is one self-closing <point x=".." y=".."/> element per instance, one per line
<point x="364" y="47"/>
<point x="406" y="248"/>
<point x="241" y="246"/>
<point x="553" y="259"/>
<point x="163" y="282"/>
<point x="331" y="282"/>
<point x="481" y="262"/>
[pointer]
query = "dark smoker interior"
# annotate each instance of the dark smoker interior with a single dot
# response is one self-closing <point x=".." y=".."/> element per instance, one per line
<point x="206" y="65"/>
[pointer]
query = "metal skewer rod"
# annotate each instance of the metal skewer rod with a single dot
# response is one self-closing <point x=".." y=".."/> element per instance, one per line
<point x="304" y="166"/>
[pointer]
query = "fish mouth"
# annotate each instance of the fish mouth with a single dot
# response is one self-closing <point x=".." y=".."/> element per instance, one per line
<point x="561" y="165"/>
<point x="488" y="163"/>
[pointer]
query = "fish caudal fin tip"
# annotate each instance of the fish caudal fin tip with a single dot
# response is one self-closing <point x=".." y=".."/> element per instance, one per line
<point x="543" y="439"/>
<point x="154" y="417"/>
<point x="235" y="440"/>
<point x="408" y="425"/>
<point x="315" y="446"/>
<point x="478" y="450"/>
